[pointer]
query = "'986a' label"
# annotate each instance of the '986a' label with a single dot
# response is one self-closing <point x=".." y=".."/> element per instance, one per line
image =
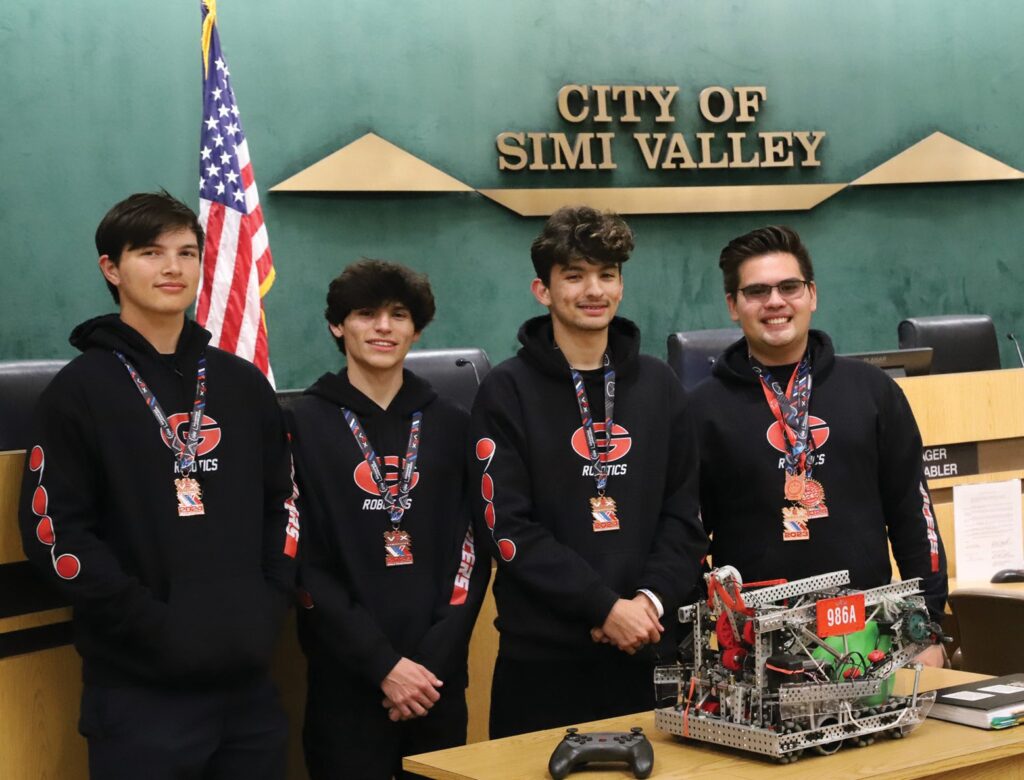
<point x="842" y="615"/>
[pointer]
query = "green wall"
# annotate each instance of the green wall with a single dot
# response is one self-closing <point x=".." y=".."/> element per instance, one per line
<point x="100" y="99"/>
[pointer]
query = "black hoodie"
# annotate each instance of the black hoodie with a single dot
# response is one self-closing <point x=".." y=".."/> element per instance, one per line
<point x="556" y="577"/>
<point x="872" y="473"/>
<point x="362" y="616"/>
<point x="161" y="599"/>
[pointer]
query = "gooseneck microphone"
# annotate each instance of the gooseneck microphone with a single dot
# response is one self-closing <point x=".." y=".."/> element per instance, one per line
<point x="460" y="362"/>
<point x="1016" y="343"/>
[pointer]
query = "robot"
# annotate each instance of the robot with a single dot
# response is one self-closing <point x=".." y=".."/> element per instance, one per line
<point x="778" y="668"/>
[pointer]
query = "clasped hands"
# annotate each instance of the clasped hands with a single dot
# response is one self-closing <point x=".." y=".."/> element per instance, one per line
<point x="631" y="624"/>
<point x="410" y="690"/>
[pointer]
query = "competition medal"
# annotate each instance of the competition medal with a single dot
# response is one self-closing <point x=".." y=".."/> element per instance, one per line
<point x="397" y="541"/>
<point x="187" y="489"/>
<point x="806" y="496"/>
<point x="189" y="497"/>
<point x="397" y="548"/>
<point x="602" y="508"/>
<point x="604" y="516"/>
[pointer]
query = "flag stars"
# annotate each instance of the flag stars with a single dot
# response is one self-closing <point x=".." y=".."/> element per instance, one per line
<point x="231" y="176"/>
<point x="234" y="111"/>
<point x="216" y="92"/>
<point x="218" y="140"/>
<point x="223" y="111"/>
<point x="205" y="153"/>
<point x="238" y="196"/>
<point x="211" y="123"/>
<point x="212" y="170"/>
<point x="225" y="158"/>
<point x="232" y="128"/>
<point x="220" y="188"/>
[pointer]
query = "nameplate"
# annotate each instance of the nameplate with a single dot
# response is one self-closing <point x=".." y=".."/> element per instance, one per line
<point x="951" y="460"/>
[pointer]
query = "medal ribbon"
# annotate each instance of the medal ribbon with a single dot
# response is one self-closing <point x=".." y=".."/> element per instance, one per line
<point x="394" y="505"/>
<point x="790" y="408"/>
<point x="597" y="458"/>
<point x="184" y="453"/>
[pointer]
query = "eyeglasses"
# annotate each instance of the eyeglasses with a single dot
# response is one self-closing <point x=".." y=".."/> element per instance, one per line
<point x="789" y="289"/>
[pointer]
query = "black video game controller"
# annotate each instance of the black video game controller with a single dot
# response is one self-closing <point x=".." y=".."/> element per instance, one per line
<point x="577" y="749"/>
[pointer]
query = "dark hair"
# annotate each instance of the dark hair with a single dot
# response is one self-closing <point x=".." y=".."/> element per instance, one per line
<point x="138" y="220"/>
<point x="580" y="233"/>
<point x="369" y="284"/>
<point x="763" y="241"/>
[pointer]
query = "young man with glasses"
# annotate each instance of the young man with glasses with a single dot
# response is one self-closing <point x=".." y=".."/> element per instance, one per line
<point x="587" y="479"/>
<point x="389" y="569"/>
<point x="810" y="462"/>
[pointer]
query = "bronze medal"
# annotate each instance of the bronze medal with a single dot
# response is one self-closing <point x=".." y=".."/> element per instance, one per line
<point x="397" y="548"/>
<point x="795" y="487"/>
<point x="190" y="497"/>
<point x="813" y="499"/>
<point x="602" y="509"/>
<point x="794" y="524"/>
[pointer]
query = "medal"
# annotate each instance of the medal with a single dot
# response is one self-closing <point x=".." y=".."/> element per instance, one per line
<point x="790" y="408"/>
<point x="188" y="490"/>
<point x="602" y="509"/>
<point x="190" y="497"/>
<point x="397" y="543"/>
<point x="794" y="524"/>
<point x="813" y="499"/>
<point x="397" y="548"/>
<point x="795" y="487"/>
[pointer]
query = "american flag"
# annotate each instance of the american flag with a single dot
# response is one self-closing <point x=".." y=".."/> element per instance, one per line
<point x="237" y="267"/>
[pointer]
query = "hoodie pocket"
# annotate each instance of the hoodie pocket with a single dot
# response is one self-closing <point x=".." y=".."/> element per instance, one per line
<point x="222" y="628"/>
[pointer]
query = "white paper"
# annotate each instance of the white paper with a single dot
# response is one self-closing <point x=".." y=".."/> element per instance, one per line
<point x="987" y="526"/>
<point x="967" y="695"/>
<point x="1001" y="688"/>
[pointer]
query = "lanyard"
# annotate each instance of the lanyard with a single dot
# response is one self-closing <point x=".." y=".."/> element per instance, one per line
<point x="597" y="458"/>
<point x="184" y="454"/>
<point x="394" y="505"/>
<point x="790" y="409"/>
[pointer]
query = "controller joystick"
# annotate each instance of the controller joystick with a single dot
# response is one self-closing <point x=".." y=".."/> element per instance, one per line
<point x="577" y="749"/>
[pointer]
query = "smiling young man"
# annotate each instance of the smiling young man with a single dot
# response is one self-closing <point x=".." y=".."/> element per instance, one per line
<point x="158" y="496"/>
<point x="810" y="462"/>
<point x="389" y="569"/>
<point x="586" y="469"/>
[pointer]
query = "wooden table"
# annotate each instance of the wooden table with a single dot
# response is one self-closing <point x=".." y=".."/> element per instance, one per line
<point x="935" y="749"/>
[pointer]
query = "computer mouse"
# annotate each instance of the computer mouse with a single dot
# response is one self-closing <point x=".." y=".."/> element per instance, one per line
<point x="1008" y="575"/>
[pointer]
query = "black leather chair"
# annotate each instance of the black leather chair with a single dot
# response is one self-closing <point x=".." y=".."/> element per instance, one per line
<point x="454" y="373"/>
<point x="961" y="342"/>
<point x="991" y="630"/>
<point x="692" y="353"/>
<point x="21" y="382"/>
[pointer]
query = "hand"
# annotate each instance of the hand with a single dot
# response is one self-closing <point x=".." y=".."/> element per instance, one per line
<point x="933" y="656"/>
<point x="599" y="636"/>
<point x="410" y="689"/>
<point x="632" y="623"/>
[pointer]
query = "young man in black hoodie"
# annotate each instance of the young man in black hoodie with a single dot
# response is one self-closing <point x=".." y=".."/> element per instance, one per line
<point x="810" y="462"/>
<point x="586" y="467"/>
<point x="392" y="584"/>
<point x="158" y="496"/>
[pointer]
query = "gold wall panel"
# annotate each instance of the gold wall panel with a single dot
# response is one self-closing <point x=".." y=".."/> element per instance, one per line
<point x="939" y="158"/>
<point x="371" y="164"/>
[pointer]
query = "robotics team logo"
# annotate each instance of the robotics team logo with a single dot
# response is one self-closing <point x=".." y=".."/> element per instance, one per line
<point x="818" y="431"/>
<point x="209" y="432"/>
<point x="392" y="472"/>
<point x="617" y="446"/>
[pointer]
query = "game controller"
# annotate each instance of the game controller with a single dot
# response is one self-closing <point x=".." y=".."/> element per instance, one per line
<point x="577" y="749"/>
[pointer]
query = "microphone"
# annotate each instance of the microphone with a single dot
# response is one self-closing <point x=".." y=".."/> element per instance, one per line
<point x="1016" y="343"/>
<point x="460" y="362"/>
